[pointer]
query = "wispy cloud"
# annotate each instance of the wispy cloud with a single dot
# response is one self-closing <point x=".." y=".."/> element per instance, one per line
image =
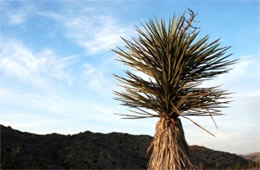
<point x="92" y="77"/>
<point x="16" y="18"/>
<point x="16" y="12"/>
<point x="96" y="79"/>
<point x="36" y="68"/>
<point x="95" y="32"/>
<point x="246" y="69"/>
<point x="98" y="34"/>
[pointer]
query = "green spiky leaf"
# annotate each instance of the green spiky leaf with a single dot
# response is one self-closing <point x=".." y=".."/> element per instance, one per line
<point x="176" y="62"/>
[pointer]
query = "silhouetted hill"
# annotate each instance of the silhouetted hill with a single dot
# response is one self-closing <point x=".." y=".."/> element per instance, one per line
<point x="21" y="150"/>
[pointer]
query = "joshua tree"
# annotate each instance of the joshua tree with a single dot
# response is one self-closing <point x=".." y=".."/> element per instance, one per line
<point x="175" y="66"/>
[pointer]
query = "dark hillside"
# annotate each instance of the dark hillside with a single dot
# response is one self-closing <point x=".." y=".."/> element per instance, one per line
<point x="21" y="150"/>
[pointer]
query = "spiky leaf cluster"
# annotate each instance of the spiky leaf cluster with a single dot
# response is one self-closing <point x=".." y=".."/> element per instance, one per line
<point x="175" y="63"/>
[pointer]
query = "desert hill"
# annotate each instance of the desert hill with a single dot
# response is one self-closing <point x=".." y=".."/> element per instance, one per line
<point x="21" y="150"/>
<point x="253" y="157"/>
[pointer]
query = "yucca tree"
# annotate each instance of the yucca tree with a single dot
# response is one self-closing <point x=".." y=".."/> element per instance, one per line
<point x="175" y="64"/>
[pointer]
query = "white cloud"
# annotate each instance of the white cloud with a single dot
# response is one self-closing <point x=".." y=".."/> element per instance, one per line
<point x="105" y="36"/>
<point x="95" y="32"/>
<point x="37" y="69"/>
<point x="16" y="15"/>
<point x="246" y="68"/>
<point x="94" y="78"/>
<point x="17" y="18"/>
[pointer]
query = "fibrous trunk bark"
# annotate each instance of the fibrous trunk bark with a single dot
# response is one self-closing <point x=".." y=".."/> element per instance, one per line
<point x="169" y="149"/>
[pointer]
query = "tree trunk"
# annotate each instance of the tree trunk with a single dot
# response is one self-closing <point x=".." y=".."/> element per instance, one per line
<point x="169" y="147"/>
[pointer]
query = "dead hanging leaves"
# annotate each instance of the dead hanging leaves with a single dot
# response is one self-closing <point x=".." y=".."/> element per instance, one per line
<point x="169" y="147"/>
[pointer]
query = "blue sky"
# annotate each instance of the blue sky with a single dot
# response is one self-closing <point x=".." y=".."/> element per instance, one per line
<point x="56" y="66"/>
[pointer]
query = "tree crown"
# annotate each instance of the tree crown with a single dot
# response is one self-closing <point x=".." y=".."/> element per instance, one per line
<point x="175" y="65"/>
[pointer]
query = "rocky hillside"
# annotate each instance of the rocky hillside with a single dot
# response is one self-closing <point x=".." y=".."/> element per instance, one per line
<point x="253" y="157"/>
<point x="20" y="150"/>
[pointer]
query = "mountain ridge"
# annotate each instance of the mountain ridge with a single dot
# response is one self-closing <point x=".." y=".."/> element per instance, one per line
<point x="88" y="150"/>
